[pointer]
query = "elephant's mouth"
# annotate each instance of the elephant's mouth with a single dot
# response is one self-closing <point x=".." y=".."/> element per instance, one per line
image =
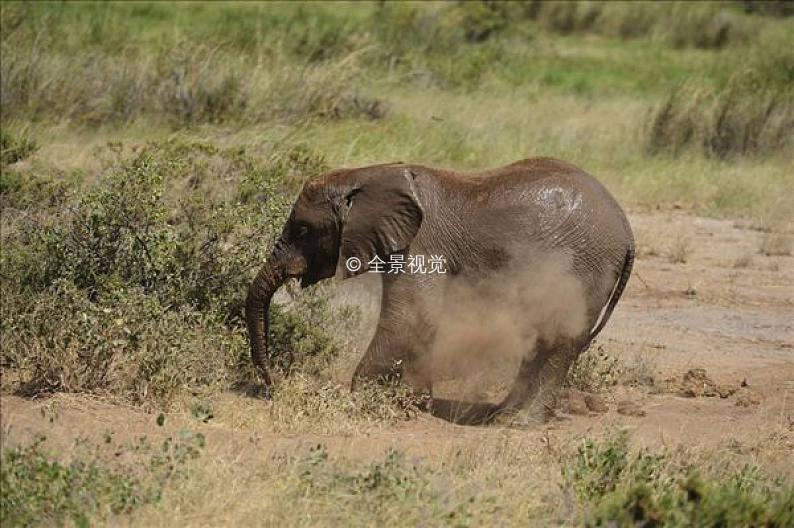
<point x="315" y="274"/>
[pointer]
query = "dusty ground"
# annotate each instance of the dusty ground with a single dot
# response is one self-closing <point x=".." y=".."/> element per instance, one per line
<point x="727" y="309"/>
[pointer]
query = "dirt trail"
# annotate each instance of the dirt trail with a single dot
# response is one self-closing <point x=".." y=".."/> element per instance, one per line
<point x="728" y="309"/>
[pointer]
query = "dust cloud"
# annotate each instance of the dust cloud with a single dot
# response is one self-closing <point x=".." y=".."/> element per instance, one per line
<point x="485" y="328"/>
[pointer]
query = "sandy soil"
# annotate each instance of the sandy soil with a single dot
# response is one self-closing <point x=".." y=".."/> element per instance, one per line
<point x="728" y="309"/>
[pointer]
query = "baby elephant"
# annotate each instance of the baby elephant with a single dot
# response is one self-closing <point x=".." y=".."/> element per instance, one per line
<point x="431" y="230"/>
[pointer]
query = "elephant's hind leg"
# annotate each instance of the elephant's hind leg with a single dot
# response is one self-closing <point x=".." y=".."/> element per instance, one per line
<point x="528" y="381"/>
<point x="534" y="393"/>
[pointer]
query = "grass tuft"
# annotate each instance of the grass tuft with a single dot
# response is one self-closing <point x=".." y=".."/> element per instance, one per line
<point x="752" y="115"/>
<point x="594" y="371"/>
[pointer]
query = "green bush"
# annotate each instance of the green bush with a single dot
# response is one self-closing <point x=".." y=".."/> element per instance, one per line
<point x="36" y="188"/>
<point x="124" y="343"/>
<point x="136" y="287"/>
<point x="39" y="489"/>
<point x="188" y="248"/>
<point x="617" y="488"/>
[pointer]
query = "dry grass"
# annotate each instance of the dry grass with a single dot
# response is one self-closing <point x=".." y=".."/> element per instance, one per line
<point x="319" y="486"/>
<point x="744" y="261"/>
<point x="776" y="244"/>
<point x="675" y="243"/>
<point x="749" y="116"/>
<point x="304" y="404"/>
<point x="680" y="248"/>
<point x="492" y="476"/>
<point x="777" y="226"/>
<point x="180" y="87"/>
<point x="640" y="369"/>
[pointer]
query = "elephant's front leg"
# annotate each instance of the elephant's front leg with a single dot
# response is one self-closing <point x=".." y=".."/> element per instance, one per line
<point x="400" y="349"/>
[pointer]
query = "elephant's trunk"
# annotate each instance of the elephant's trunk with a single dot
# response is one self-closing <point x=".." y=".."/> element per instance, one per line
<point x="268" y="280"/>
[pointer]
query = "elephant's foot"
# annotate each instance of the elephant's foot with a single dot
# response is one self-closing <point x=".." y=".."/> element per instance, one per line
<point x="505" y="418"/>
<point x="463" y="412"/>
<point x="534" y="414"/>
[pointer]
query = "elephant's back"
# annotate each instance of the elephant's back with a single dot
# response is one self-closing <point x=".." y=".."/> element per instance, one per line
<point x="537" y="203"/>
<point x="576" y="213"/>
<point x="556" y="191"/>
<point x="563" y="207"/>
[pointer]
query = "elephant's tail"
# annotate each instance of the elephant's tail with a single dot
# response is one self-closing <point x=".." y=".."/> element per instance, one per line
<point x="620" y="285"/>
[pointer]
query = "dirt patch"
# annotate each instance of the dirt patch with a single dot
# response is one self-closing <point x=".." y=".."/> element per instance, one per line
<point x="696" y="383"/>
<point x="631" y="408"/>
<point x="596" y="403"/>
<point x="572" y="401"/>
<point x="576" y="402"/>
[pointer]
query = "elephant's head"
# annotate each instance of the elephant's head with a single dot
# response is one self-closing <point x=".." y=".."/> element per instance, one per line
<point x="362" y="213"/>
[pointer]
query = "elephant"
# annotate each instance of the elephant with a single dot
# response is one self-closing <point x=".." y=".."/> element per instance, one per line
<point x="478" y="221"/>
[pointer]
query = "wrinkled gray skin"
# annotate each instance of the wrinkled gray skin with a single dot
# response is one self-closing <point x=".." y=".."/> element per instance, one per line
<point x="476" y="221"/>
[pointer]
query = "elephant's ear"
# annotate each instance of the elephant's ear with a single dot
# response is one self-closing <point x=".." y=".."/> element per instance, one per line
<point x="381" y="216"/>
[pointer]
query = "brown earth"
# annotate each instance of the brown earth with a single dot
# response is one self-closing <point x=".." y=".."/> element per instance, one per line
<point x="728" y="310"/>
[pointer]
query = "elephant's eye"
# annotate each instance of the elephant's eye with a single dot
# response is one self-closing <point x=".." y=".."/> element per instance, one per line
<point x="303" y="231"/>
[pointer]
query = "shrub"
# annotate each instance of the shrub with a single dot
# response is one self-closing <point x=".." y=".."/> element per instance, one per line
<point x="706" y="26"/>
<point x="317" y="36"/>
<point x="451" y="46"/>
<point x="36" y="189"/>
<point x="752" y="115"/>
<point x="616" y="487"/>
<point x="159" y="220"/>
<point x="39" y="489"/>
<point x="136" y="287"/>
<point x="124" y="343"/>
<point x="775" y="8"/>
<point x="563" y="17"/>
